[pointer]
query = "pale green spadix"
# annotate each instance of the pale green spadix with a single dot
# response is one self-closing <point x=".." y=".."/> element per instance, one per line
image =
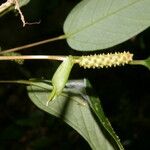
<point x="60" y="78"/>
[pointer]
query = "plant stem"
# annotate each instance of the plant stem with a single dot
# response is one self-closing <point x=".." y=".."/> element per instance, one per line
<point x="6" y="5"/>
<point x="38" y="57"/>
<point x="26" y="82"/>
<point x="137" y="62"/>
<point x="33" y="44"/>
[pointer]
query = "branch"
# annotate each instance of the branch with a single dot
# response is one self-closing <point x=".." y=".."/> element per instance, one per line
<point x="33" y="44"/>
<point x="35" y="57"/>
<point x="6" y="5"/>
<point x="27" y="82"/>
<point x="17" y="7"/>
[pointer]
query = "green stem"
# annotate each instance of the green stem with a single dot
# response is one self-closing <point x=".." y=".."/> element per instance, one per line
<point x="26" y="82"/>
<point x="33" y="44"/>
<point x="137" y="62"/>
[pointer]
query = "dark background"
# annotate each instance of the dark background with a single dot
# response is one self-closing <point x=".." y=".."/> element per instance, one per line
<point x="124" y="91"/>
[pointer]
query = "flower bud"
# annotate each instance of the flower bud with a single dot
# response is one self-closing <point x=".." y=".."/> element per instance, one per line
<point x="60" y="77"/>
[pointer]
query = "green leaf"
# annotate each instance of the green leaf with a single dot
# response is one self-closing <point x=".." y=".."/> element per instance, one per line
<point x="72" y="106"/>
<point x="23" y="2"/>
<point x="99" y="24"/>
<point x="146" y="63"/>
<point x="98" y="110"/>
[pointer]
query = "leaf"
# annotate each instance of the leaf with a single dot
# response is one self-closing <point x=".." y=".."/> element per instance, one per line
<point x="98" y="110"/>
<point x="23" y="2"/>
<point x="72" y="106"/>
<point x="99" y="24"/>
<point x="146" y="63"/>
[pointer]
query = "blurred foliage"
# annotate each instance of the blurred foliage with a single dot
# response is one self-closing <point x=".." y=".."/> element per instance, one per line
<point x="124" y="91"/>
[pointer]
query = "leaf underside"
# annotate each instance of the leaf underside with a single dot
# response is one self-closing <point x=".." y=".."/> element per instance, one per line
<point x="23" y="2"/>
<point x="72" y="106"/>
<point x="98" y="24"/>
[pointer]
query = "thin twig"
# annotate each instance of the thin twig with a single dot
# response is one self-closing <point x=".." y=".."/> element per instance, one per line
<point x="26" y="82"/>
<point x="10" y="3"/>
<point x="15" y="3"/>
<point x="17" y="7"/>
<point x="33" y="44"/>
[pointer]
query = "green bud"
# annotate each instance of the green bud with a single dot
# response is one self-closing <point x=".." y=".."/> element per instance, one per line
<point x="60" y="78"/>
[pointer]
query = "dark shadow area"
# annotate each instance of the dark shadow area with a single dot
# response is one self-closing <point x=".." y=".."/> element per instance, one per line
<point x="99" y="113"/>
